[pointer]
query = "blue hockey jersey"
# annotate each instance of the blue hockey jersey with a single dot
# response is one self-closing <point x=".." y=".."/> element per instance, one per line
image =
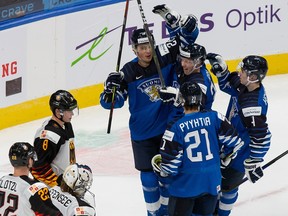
<point x="247" y="112"/>
<point x="191" y="152"/>
<point x="148" y="114"/>
<point x="204" y="80"/>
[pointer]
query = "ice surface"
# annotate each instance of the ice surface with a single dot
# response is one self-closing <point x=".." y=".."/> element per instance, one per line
<point x="116" y="183"/>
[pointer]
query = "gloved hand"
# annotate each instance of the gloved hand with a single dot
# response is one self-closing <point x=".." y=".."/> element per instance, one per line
<point x="113" y="81"/>
<point x="188" y="23"/>
<point x="170" y="95"/>
<point x="226" y="158"/>
<point x="253" y="169"/>
<point x="189" y="30"/>
<point x="156" y="164"/>
<point x="225" y="161"/>
<point x="171" y="17"/>
<point x="219" y="66"/>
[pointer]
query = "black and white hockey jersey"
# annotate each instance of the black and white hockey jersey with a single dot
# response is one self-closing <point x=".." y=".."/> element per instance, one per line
<point x="20" y="195"/>
<point x="55" y="149"/>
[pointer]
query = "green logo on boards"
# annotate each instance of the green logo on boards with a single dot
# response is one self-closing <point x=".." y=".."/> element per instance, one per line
<point x="88" y="53"/>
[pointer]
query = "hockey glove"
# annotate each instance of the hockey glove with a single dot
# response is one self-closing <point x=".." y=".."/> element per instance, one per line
<point x="219" y="66"/>
<point x="113" y="81"/>
<point x="226" y="158"/>
<point x="188" y="30"/>
<point x="253" y="169"/>
<point x="156" y="164"/>
<point x="171" y="17"/>
<point x="170" y="95"/>
<point x="188" y="23"/>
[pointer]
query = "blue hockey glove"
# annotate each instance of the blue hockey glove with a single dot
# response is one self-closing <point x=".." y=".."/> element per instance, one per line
<point x="170" y="95"/>
<point x="219" y="66"/>
<point x="156" y="164"/>
<point x="171" y="17"/>
<point x="113" y="81"/>
<point x="108" y="96"/>
<point x="189" y="30"/>
<point x="253" y="169"/>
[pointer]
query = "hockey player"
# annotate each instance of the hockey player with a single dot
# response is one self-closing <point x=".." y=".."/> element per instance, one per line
<point x="54" y="140"/>
<point x="21" y="195"/>
<point x="190" y="65"/>
<point x="192" y="59"/>
<point x="190" y="155"/>
<point x="69" y="196"/>
<point x="139" y="81"/>
<point x="247" y="111"/>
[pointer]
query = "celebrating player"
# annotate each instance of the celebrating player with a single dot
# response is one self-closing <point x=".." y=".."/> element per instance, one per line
<point x="21" y="195"/>
<point x="139" y="81"/>
<point x="247" y="111"/>
<point x="54" y="141"/>
<point x="192" y="68"/>
<point x="190" y="65"/>
<point x="190" y="155"/>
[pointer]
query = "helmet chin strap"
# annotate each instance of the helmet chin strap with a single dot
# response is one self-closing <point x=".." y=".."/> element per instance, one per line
<point x="250" y="81"/>
<point x="61" y="116"/>
<point x="195" y="67"/>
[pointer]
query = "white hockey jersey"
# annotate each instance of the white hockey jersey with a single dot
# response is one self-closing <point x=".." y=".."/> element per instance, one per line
<point x="25" y="196"/>
<point x="70" y="205"/>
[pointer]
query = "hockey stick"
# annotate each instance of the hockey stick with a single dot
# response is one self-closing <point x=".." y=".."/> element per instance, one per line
<point x="263" y="167"/>
<point x="151" y="42"/>
<point x="118" y="64"/>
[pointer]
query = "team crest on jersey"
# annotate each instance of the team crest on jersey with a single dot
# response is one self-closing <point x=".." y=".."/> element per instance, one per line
<point x="150" y="88"/>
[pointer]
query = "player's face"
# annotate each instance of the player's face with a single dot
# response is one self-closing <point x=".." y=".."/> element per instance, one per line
<point x="188" y="65"/>
<point x="67" y="115"/>
<point x="144" y="54"/>
<point x="243" y="77"/>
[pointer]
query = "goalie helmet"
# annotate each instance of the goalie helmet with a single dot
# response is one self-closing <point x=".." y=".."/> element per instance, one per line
<point x="63" y="101"/>
<point x="254" y="64"/>
<point x="191" y="94"/>
<point x="139" y="36"/>
<point x="79" y="178"/>
<point x="194" y="52"/>
<point x="20" y="153"/>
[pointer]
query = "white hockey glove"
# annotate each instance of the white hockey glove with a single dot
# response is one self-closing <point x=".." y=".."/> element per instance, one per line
<point x="219" y="66"/>
<point x="226" y="159"/>
<point x="171" y="17"/>
<point x="188" y="23"/>
<point x="156" y="164"/>
<point x="170" y="95"/>
<point x="253" y="169"/>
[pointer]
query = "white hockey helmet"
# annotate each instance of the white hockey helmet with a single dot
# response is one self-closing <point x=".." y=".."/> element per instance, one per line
<point x="79" y="178"/>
